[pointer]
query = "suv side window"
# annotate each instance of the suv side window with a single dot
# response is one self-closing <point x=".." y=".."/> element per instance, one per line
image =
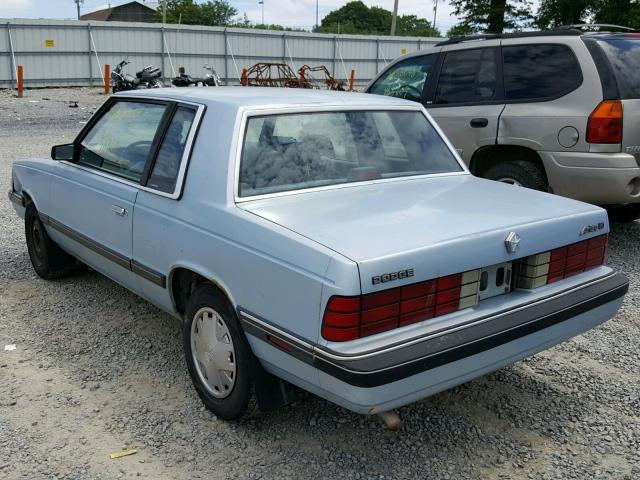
<point x="539" y="72"/>
<point x="120" y="141"/>
<point x="467" y="76"/>
<point x="406" y="79"/>
<point x="167" y="165"/>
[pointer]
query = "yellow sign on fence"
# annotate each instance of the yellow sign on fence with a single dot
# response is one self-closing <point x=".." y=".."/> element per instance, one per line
<point x="49" y="43"/>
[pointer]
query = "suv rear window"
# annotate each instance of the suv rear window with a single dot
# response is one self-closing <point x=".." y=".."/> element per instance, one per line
<point x="624" y="56"/>
<point x="539" y="72"/>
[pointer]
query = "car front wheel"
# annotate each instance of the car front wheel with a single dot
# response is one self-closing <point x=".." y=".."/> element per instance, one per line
<point x="48" y="259"/>
<point x="217" y="353"/>
<point x="521" y="173"/>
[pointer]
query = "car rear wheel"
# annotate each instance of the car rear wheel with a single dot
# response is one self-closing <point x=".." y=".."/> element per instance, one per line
<point x="217" y="353"/>
<point x="520" y="173"/>
<point x="48" y="259"/>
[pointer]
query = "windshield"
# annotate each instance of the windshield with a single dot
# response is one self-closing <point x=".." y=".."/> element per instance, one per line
<point x="624" y="55"/>
<point x="305" y="150"/>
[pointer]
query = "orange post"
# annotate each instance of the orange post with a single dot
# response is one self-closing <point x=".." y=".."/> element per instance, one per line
<point x="352" y="79"/>
<point x="107" y="76"/>
<point x="20" y="80"/>
<point x="244" y="81"/>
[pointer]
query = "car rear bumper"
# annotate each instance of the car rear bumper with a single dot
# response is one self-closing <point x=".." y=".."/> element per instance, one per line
<point x="400" y="374"/>
<point x="599" y="178"/>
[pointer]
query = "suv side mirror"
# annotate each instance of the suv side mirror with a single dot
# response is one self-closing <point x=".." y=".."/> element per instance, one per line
<point x="63" y="152"/>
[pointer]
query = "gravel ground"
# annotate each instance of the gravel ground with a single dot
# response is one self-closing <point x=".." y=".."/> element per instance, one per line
<point x="96" y="370"/>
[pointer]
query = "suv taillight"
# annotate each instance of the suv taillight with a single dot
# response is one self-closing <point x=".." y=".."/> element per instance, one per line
<point x="605" y="123"/>
<point x="348" y="318"/>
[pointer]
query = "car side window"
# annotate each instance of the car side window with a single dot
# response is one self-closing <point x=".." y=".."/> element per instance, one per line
<point x="120" y="141"/>
<point x="167" y="165"/>
<point x="406" y="79"/>
<point x="535" y="72"/>
<point x="467" y="76"/>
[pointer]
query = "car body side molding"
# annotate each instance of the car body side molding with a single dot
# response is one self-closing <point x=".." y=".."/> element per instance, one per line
<point x="125" y="262"/>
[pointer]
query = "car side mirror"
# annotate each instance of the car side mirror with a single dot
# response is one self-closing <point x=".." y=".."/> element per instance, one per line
<point x="63" y="152"/>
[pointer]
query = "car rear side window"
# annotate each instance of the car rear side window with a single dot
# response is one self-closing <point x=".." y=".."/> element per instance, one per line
<point x="167" y="165"/>
<point x="539" y="72"/>
<point x="406" y="79"/>
<point x="624" y="56"/>
<point x="120" y="141"/>
<point x="467" y="76"/>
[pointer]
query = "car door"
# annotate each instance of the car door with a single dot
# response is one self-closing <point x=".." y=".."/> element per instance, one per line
<point x="466" y="100"/>
<point x="93" y="196"/>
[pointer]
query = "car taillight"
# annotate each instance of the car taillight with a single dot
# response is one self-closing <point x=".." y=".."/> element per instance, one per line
<point x="548" y="267"/>
<point x="348" y="318"/>
<point x="605" y="123"/>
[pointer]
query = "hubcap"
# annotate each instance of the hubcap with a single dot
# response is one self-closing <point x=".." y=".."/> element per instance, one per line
<point x="212" y="352"/>
<point x="510" y="181"/>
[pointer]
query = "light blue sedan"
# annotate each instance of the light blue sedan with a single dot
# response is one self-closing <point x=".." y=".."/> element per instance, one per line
<point x="327" y="241"/>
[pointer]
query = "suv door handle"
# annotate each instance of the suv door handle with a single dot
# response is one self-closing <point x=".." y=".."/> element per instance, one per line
<point x="479" y="123"/>
<point x="118" y="210"/>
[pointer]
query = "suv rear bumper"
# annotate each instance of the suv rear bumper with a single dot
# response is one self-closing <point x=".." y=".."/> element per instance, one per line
<point x="599" y="178"/>
<point x="400" y="374"/>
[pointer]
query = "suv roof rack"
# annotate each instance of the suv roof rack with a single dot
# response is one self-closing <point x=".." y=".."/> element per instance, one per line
<point x="489" y="36"/>
<point x="591" y="26"/>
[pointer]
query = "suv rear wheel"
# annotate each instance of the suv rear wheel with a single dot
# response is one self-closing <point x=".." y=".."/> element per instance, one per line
<point x="521" y="173"/>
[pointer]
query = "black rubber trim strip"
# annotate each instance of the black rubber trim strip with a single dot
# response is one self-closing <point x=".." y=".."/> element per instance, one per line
<point x="119" y="259"/>
<point x="367" y="379"/>
<point x="16" y="198"/>
<point x="149" y="274"/>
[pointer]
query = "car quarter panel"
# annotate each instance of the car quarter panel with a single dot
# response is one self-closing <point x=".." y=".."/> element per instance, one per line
<point x="32" y="178"/>
<point x="262" y="267"/>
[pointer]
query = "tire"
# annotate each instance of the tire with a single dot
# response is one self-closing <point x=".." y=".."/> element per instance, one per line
<point x="228" y="392"/>
<point x="624" y="213"/>
<point x="48" y="259"/>
<point x="519" y="172"/>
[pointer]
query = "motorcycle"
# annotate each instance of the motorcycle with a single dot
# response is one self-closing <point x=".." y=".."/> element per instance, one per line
<point x="148" y="77"/>
<point x="211" y="79"/>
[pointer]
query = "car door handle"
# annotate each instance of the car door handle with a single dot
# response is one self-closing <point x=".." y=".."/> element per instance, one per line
<point x="118" y="210"/>
<point x="479" y="122"/>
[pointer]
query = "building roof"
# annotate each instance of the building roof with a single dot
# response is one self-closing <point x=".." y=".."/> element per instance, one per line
<point x="105" y="13"/>
<point x="266" y="97"/>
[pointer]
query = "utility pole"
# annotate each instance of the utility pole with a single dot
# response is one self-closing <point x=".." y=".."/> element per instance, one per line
<point x="435" y="13"/>
<point x="78" y="2"/>
<point x="394" y="17"/>
<point x="317" y="24"/>
<point x="164" y="11"/>
<point x="261" y="2"/>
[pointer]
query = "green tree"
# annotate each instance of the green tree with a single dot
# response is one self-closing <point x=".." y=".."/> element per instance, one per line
<point x="492" y="16"/>
<point x="617" y="12"/>
<point x="356" y="18"/>
<point x="460" y="30"/>
<point x="216" y="12"/>
<point x="554" y="13"/>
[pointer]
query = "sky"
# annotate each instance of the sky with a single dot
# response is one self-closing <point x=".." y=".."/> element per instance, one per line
<point x="299" y="13"/>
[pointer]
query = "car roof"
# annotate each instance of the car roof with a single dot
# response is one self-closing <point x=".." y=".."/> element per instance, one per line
<point x="265" y="97"/>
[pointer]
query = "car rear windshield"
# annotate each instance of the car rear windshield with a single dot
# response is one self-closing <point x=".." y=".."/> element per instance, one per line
<point x="287" y="152"/>
<point x="624" y="55"/>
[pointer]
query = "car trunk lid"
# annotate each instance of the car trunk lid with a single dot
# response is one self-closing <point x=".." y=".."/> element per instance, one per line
<point x="436" y="226"/>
